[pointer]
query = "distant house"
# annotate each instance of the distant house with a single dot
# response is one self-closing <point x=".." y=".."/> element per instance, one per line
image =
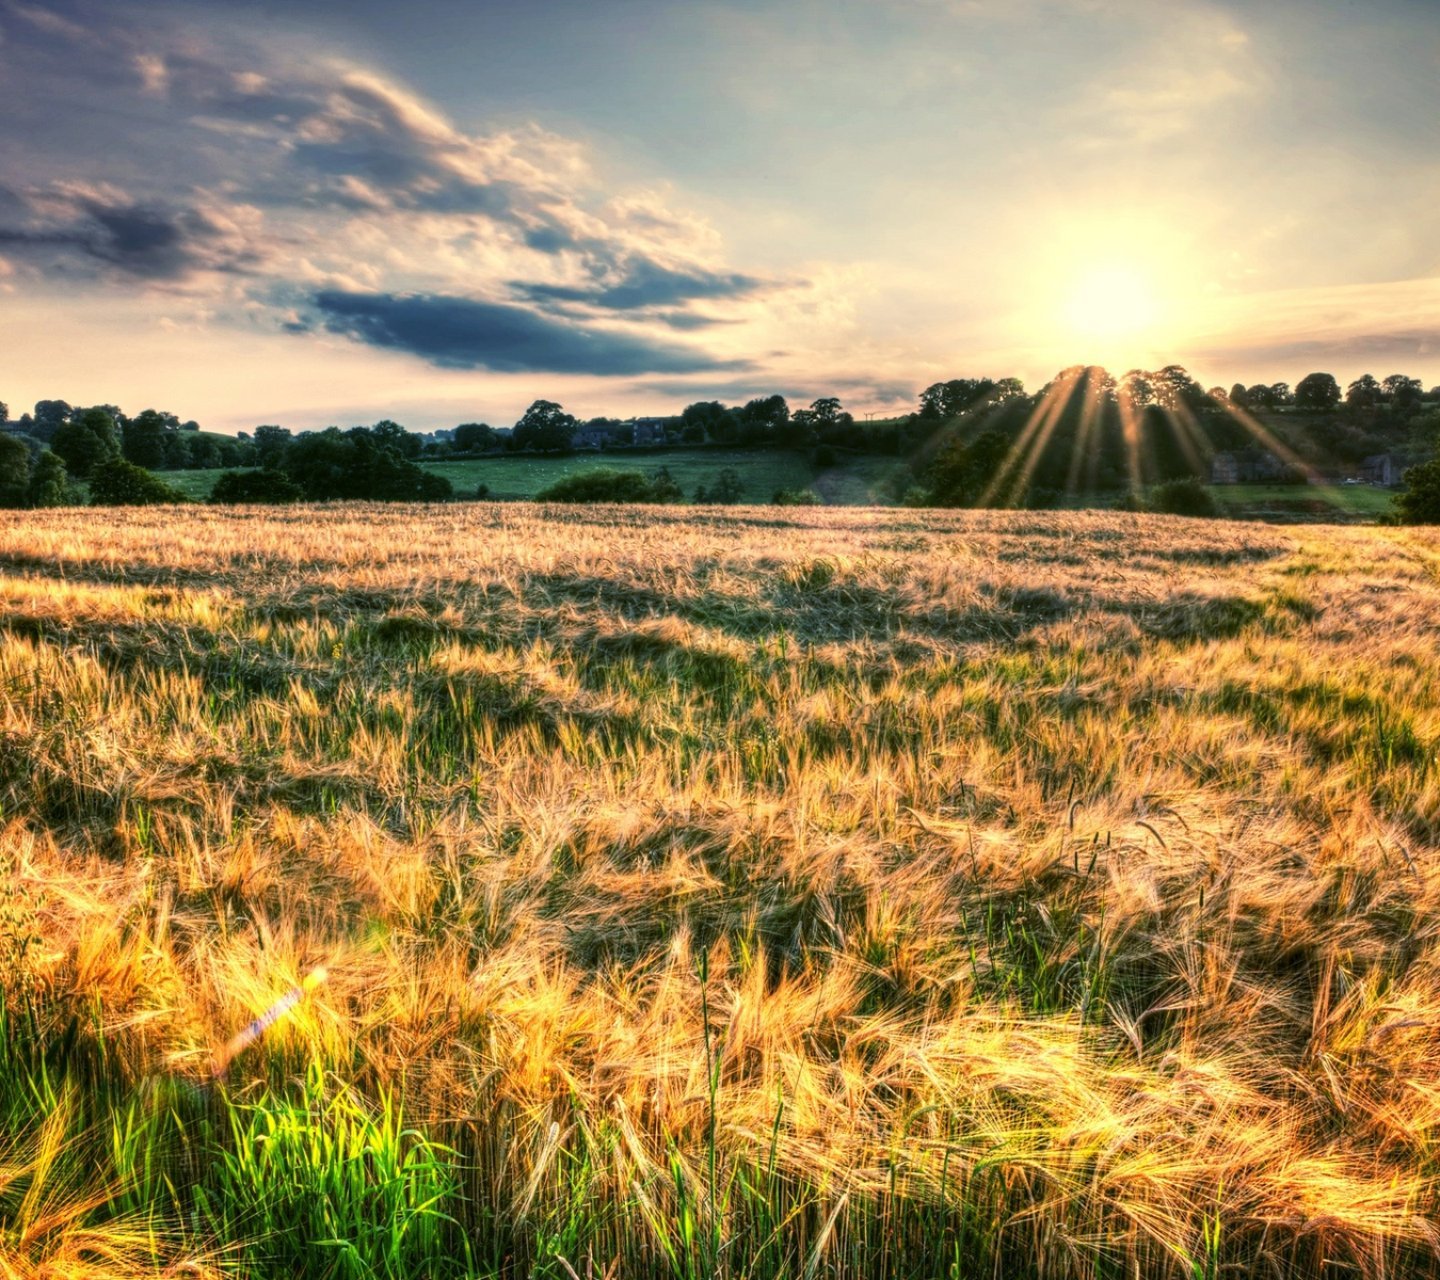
<point x="590" y="438"/>
<point x="1250" y="466"/>
<point x="1382" y="469"/>
<point x="649" y="430"/>
<point x="1224" y="469"/>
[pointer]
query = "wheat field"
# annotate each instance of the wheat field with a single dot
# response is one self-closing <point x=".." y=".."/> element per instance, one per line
<point x="718" y="893"/>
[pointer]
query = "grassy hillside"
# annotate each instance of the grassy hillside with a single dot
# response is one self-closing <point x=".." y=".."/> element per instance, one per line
<point x="762" y="471"/>
<point x="730" y="892"/>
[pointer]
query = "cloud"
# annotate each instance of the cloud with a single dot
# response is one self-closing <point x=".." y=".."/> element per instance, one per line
<point x="462" y="333"/>
<point x="645" y="283"/>
<point x="107" y="230"/>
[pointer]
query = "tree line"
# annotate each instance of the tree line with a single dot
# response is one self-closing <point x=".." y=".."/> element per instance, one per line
<point x="968" y="440"/>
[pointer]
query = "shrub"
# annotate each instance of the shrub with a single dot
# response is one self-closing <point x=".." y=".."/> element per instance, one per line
<point x="264" y="486"/>
<point x="117" y="483"/>
<point x="795" y="498"/>
<point x="1420" y="501"/>
<point x="726" y="490"/>
<point x="607" y="484"/>
<point x="1187" y="497"/>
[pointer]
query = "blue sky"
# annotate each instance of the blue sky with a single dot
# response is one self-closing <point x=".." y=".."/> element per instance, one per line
<point x="440" y="211"/>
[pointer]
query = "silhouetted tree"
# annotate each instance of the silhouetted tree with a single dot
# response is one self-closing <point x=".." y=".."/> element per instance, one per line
<point x="1363" y="393"/>
<point x="1317" y="391"/>
<point x="1401" y="391"/>
<point x="942" y="400"/>
<point x="544" y="426"/>
<point x="474" y="437"/>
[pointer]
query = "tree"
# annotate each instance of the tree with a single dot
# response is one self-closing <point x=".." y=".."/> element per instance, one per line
<point x="764" y="417"/>
<point x="1176" y="389"/>
<point x="269" y="487"/>
<point x="942" y="400"/>
<point x="1363" y="393"/>
<point x="1239" y="396"/>
<point x="726" y="490"/>
<point x="1136" y="388"/>
<point x="49" y="484"/>
<point x="1262" y="397"/>
<point x="707" y="418"/>
<point x="1419" y="503"/>
<point x="393" y="436"/>
<point x="114" y="482"/>
<point x="1280" y="395"/>
<point x="143" y="438"/>
<point x="1402" y="392"/>
<point x="86" y="440"/>
<point x="1317" y="391"/>
<point x="961" y="473"/>
<point x="544" y="426"/>
<point x="50" y="415"/>
<point x="359" y="465"/>
<point x="4" y="412"/>
<point x="14" y="471"/>
<point x="474" y="437"/>
<point x="271" y="442"/>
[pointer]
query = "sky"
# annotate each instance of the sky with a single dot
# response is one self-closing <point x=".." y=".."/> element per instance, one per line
<point x="439" y="211"/>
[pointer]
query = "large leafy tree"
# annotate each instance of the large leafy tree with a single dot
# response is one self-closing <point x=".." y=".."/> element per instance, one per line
<point x="1363" y="392"/>
<point x="1317" y="391"/>
<point x="943" y="400"/>
<point x="1401" y="391"/>
<point x="544" y="426"/>
<point x="271" y="442"/>
<point x="474" y="437"/>
<point x="144" y="439"/>
<point x="86" y="440"/>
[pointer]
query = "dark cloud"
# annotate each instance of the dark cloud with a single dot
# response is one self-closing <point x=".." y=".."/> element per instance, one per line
<point x="550" y="239"/>
<point x="140" y="241"/>
<point x="460" y="333"/>
<point x="644" y="283"/>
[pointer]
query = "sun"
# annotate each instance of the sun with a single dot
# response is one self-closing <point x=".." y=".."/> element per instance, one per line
<point x="1110" y="306"/>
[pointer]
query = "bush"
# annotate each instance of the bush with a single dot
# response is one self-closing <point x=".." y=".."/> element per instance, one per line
<point x="1187" y="497"/>
<point x="364" y="464"/>
<point x="265" y="486"/>
<point x="727" y="489"/>
<point x="795" y="498"/>
<point x="1420" y="502"/>
<point x="117" y="483"/>
<point x="607" y="484"/>
<point x="482" y="490"/>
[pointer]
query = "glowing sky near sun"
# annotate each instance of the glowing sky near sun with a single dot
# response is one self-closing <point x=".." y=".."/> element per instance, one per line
<point x="438" y="212"/>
